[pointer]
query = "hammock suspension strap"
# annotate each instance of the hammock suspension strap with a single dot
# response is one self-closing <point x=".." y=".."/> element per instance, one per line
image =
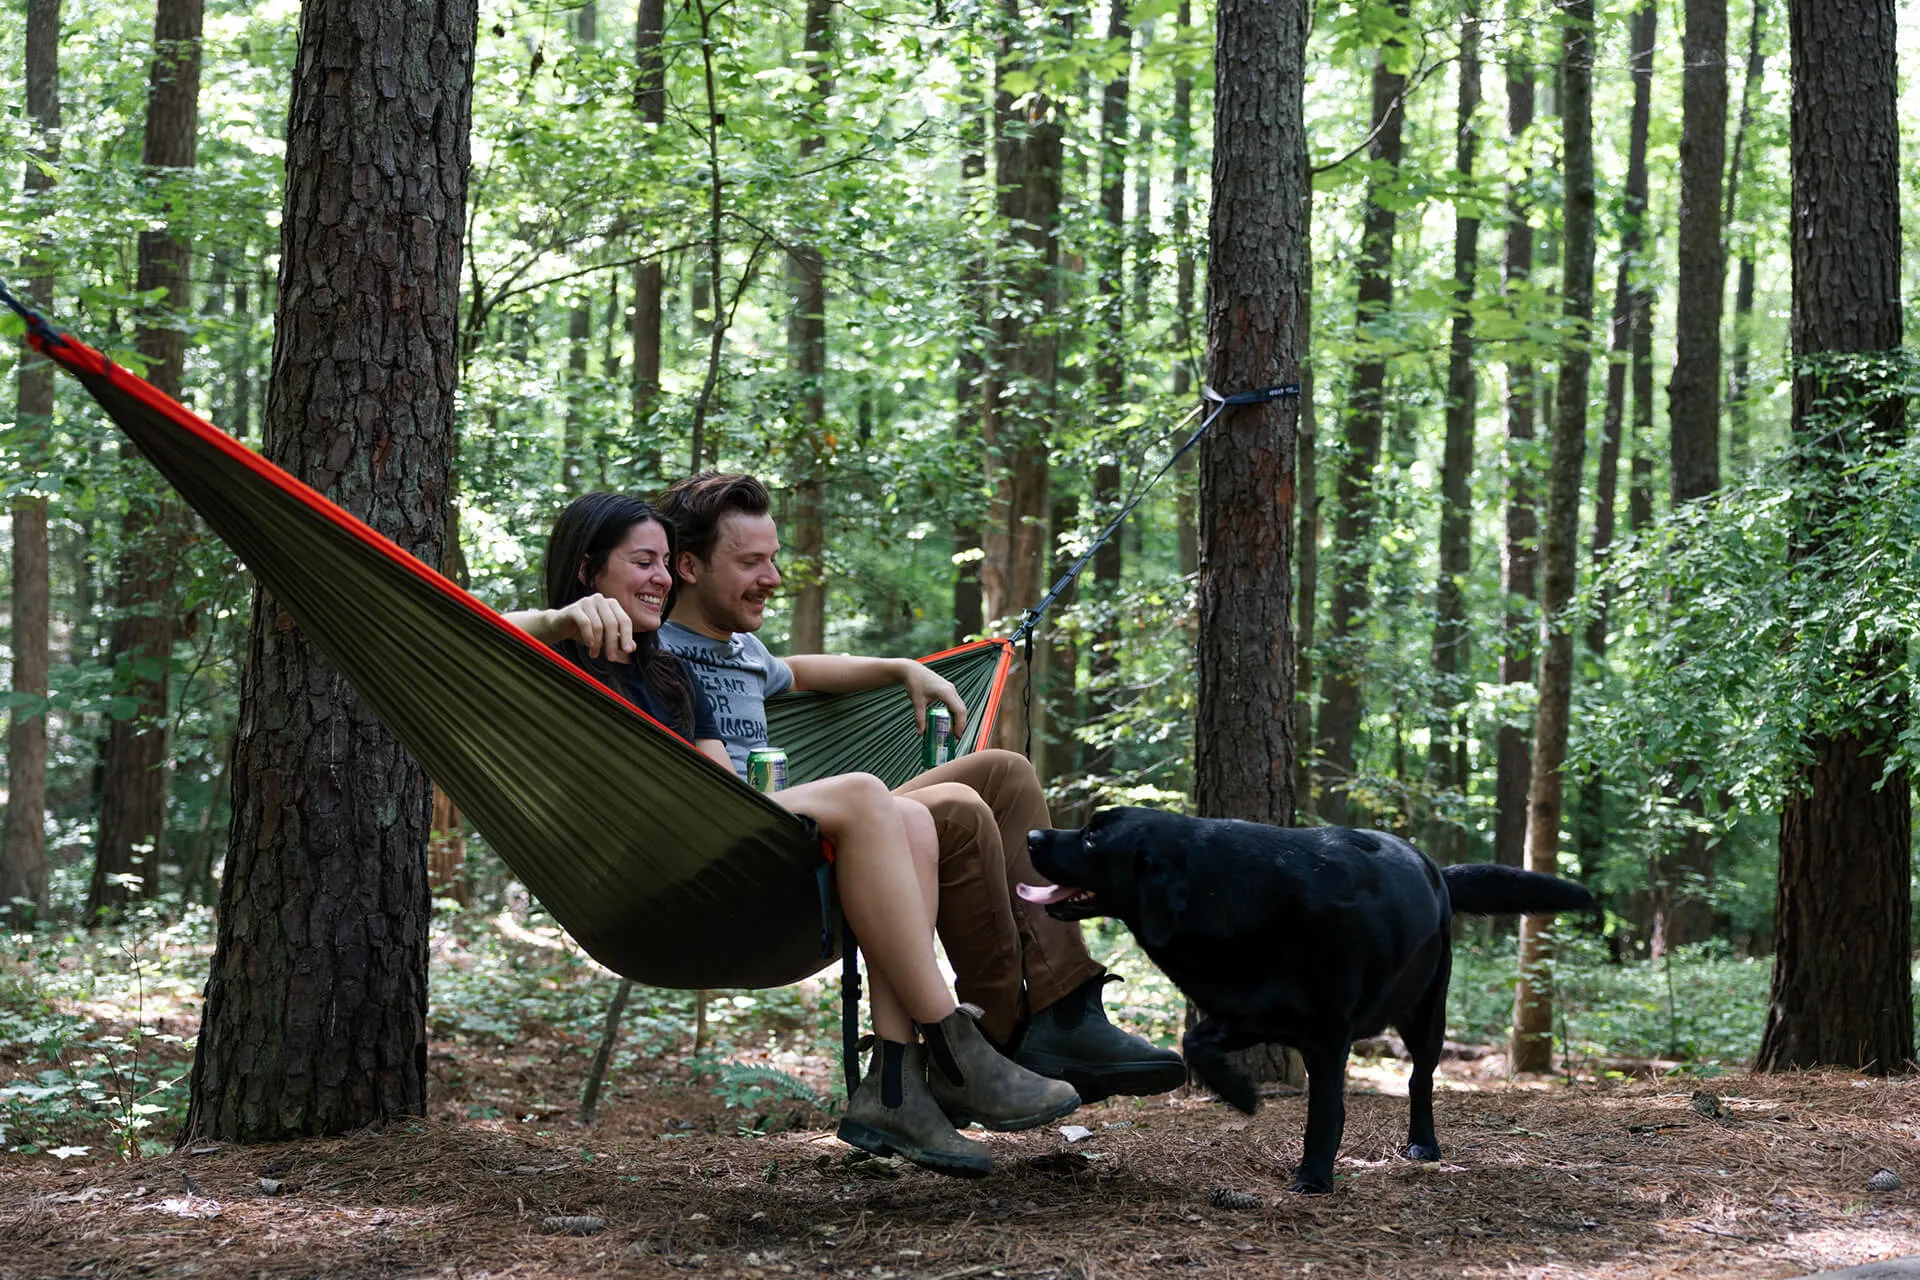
<point x="1031" y="619"/>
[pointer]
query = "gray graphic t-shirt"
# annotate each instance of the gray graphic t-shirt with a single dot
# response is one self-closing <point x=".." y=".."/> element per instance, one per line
<point x="739" y="674"/>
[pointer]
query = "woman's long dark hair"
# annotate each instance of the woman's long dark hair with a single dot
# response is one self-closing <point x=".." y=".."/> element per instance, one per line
<point x="585" y="536"/>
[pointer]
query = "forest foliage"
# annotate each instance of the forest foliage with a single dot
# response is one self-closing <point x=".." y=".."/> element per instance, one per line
<point x="1725" y="645"/>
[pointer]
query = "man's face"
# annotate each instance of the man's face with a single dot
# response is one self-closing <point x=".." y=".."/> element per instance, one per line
<point x="731" y="589"/>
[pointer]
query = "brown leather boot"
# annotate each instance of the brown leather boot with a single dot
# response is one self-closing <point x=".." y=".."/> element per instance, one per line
<point x="975" y="1084"/>
<point x="892" y="1113"/>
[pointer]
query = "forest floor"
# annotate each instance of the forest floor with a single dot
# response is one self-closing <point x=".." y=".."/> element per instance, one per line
<point x="723" y="1163"/>
<point x="1542" y="1178"/>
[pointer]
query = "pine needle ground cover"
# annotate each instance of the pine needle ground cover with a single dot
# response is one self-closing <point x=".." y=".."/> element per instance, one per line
<point x="723" y="1163"/>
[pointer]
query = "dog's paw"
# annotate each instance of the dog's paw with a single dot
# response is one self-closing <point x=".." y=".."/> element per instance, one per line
<point x="1423" y="1151"/>
<point x="1308" y="1184"/>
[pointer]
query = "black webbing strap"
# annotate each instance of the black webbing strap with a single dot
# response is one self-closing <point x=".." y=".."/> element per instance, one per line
<point x="36" y="323"/>
<point x="1030" y="620"/>
<point x="849" y="977"/>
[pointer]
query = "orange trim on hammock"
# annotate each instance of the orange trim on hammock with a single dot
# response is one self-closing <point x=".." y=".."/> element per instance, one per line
<point x="998" y="686"/>
<point x="84" y="362"/>
<point x="968" y="647"/>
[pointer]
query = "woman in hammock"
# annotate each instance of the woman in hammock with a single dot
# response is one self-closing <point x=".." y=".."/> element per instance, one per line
<point x="609" y="584"/>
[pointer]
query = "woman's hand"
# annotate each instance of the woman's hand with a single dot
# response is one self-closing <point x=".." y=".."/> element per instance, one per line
<point x="596" y="621"/>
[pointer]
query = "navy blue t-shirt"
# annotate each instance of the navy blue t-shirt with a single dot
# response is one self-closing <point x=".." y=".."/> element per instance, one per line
<point x="629" y="685"/>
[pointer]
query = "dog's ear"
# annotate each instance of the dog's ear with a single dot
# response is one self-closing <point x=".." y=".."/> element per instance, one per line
<point x="1162" y="886"/>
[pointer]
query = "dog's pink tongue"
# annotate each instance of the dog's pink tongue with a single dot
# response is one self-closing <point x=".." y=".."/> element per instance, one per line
<point x="1045" y="895"/>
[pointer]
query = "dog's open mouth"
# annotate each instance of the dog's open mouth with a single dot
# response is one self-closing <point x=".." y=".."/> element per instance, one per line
<point x="1062" y="901"/>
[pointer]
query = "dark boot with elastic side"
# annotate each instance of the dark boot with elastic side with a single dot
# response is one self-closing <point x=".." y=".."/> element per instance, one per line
<point x="1072" y="1040"/>
<point x="892" y="1113"/>
<point x="975" y="1084"/>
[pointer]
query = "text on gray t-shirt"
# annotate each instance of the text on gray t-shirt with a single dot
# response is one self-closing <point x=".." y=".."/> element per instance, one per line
<point x="739" y="674"/>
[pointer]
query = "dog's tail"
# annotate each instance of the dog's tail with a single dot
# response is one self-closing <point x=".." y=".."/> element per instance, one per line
<point x="1487" y="889"/>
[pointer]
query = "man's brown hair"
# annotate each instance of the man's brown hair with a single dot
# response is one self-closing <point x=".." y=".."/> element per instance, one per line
<point x="696" y="504"/>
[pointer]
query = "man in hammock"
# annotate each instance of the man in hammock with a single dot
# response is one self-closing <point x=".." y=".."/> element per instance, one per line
<point x="1030" y="974"/>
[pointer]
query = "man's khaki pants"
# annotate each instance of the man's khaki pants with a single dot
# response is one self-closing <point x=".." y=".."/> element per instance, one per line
<point x="1001" y="946"/>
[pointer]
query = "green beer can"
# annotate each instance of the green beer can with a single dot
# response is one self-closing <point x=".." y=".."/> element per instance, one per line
<point x="767" y="770"/>
<point x="937" y="747"/>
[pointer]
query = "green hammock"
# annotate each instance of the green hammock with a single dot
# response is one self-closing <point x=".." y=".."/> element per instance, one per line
<point x="710" y="884"/>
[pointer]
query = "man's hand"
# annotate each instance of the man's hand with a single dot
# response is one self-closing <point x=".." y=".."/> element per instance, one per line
<point x="596" y="621"/>
<point x="925" y="685"/>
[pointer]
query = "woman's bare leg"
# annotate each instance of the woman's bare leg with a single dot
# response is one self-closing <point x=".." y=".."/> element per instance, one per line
<point x="885" y="888"/>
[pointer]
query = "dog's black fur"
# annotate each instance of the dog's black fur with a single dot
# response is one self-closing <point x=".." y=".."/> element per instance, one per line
<point x="1311" y="937"/>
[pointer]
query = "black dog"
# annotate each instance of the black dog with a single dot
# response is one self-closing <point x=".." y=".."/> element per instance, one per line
<point x="1311" y="937"/>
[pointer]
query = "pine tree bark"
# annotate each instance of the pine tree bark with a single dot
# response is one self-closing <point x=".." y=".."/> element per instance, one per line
<point x="1842" y="986"/>
<point x="1447" y="749"/>
<point x="1532" y="1041"/>
<point x="1739" y="379"/>
<point x="316" y="1005"/>
<point x="1341" y="695"/>
<point x="1520" y="551"/>
<point x="1256" y="337"/>
<point x="807" y="346"/>
<point x="1023" y="375"/>
<point x="1103" y="663"/>
<point x="134" y="767"/>
<point x="23" y="841"/>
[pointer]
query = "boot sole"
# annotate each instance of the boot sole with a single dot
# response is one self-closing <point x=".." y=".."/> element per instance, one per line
<point x="882" y="1143"/>
<point x="961" y="1119"/>
<point x="1127" y="1079"/>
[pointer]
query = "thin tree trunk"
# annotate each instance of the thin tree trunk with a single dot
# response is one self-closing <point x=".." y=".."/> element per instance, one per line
<point x="1520" y="553"/>
<point x="1532" y="1042"/>
<point x="1187" y="534"/>
<point x="1693" y="401"/>
<point x="1739" y="389"/>
<point x="1103" y="664"/>
<point x="23" y="843"/>
<point x="1056" y="749"/>
<point x="573" y="447"/>
<point x="970" y="375"/>
<point x="316" y="1006"/>
<point x="650" y="101"/>
<point x="1341" y="695"/>
<point x="1446" y="752"/>
<point x="1019" y="395"/>
<point x="133" y="797"/>
<point x="1590" y="831"/>
<point x="807" y="346"/>
<point x="1842" y="983"/>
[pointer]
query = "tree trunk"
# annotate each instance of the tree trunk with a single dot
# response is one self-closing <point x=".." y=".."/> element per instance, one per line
<point x="1532" y="1043"/>
<point x="1739" y="409"/>
<point x="133" y="792"/>
<point x="1019" y="395"/>
<point x="573" y="446"/>
<point x="1519" y="558"/>
<point x="1243" y="747"/>
<point x="807" y="346"/>
<point x="1103" y="664"/>
<point x="1056" y="749"/>
<point x="650" y="101"/>
<point x="1693" y="395"/>
<point x="23" y="844"/>
<point x="1447" y="747"/>
<point x="316" y="1005"/>
<point x="1842" y="987"/>
<point x="1590" y="830"/>
<point x="1341" y="699"/>
<point x="971" y="370"/>
<point x="1187" y="532"/>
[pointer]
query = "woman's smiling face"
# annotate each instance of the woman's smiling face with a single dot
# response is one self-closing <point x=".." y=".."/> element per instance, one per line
<point x="636" y="576"/>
